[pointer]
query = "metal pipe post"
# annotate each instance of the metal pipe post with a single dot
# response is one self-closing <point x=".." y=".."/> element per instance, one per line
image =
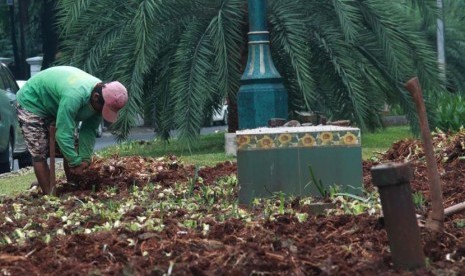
<point x="393" y="182"/>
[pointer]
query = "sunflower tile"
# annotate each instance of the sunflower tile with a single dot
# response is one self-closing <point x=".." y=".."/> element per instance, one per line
<point x="288" y="137"/>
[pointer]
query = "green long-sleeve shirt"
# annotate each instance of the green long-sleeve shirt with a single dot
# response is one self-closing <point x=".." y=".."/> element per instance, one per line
<point x="62" y="94"/>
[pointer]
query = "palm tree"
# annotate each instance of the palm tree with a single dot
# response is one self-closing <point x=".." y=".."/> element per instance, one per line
<point x="49" y="32"/>
<point x="454" y="42"/>
<point x="179" y="59"/>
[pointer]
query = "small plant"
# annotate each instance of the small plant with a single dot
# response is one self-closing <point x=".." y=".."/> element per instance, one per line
<point x="418" y="200"/>
<point x="162" y="209"/>
<point x="281" y="203"/>
<point x="112" y="205"/>
<point x="267" y="211"/>
<point x="235" y="211"/>
<point x="112" y="189"/>
<point x="354" y="204"/>
<point x="460" y="223"/>
<point x="208" y="195"/>
<point x="317" y="183"/>
<point x="302" y="217"/>
<point x="192" y="181"/>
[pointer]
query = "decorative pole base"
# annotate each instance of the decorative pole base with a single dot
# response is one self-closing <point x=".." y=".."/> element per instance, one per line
<point x="262" y="95"/>
<point x="260" y="101"/>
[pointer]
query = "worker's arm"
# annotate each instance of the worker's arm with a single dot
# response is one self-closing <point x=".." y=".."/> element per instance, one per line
<point x="87" y="135"/>
<point x="65" y="125"/>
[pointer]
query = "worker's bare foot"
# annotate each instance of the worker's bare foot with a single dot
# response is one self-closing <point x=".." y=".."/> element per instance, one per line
<point x="53" y="191"/>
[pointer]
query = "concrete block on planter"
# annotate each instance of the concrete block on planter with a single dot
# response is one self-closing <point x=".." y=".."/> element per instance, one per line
<point x="35" y="64"/>
<point x="230" y="144"/>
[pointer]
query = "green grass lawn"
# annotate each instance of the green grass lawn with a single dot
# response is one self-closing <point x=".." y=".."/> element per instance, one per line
<point x="16" y="184"/>
<point x="208" y="152"/>
<point x="210" y="148"/>
<point x="382" y="140"/>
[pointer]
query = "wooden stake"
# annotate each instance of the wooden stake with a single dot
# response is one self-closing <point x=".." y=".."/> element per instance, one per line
<point x="52" y="159"/>
<point x="436" y="217"/>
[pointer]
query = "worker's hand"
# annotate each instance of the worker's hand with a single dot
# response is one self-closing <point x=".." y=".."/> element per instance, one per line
<point x="78" y="170"/>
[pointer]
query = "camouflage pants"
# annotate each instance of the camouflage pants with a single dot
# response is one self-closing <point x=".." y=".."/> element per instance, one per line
<point x="36" y="135"/>
<point x="35" y="132"/>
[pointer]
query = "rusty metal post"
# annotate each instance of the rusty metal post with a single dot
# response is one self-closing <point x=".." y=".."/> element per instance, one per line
<point x="393" y="182"/>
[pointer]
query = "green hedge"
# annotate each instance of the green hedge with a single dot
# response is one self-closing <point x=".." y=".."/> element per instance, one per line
<point x="450" y="112"/>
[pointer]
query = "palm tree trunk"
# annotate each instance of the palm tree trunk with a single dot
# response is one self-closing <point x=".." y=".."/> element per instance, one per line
<point x="22" y="53"/>
<point x="49" y="33"/>
<point x="233" y="117"/>
<point x="14" y="41"/>
<point x="440" y="41"/>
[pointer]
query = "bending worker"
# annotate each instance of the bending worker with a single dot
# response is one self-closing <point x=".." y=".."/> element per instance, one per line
<point x="65" y="95"/>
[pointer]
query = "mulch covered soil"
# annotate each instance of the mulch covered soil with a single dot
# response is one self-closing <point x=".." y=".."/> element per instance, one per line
<point x="321" y="245"/>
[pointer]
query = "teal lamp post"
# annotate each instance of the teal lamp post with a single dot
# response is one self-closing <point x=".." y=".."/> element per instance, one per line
<point x="262" y="95"/>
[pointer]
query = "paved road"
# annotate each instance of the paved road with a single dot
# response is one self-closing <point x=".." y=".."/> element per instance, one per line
<point x="138" y="134"/>
<point x="108" y="139"/>
<point x="147" y="134"/>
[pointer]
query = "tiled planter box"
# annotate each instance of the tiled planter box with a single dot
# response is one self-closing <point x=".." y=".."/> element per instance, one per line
<point x="272" y="160"/>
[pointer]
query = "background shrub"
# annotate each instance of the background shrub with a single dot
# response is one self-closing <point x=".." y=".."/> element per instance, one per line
<point x="450" y="112"/>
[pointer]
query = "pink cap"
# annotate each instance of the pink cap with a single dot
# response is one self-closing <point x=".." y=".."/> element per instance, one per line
<point x="115" y="96"/>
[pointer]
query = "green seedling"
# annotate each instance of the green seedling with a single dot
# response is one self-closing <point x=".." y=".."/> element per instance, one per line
<point x="192" y="182"/>
<point x="459" y="223"/>
<point x="281" y="203"/>
<point x="419" y="200"/>
<point x="318" y="184"/>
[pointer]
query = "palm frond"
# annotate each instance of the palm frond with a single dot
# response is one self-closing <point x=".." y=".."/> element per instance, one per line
<point x="226" y="34"/>
<point x="191" y="81"/>
<point x="289" y="42"/>
<point x="348" y="17"/>
<point x="179" y="59"/>
<point x="72" y="14"/>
